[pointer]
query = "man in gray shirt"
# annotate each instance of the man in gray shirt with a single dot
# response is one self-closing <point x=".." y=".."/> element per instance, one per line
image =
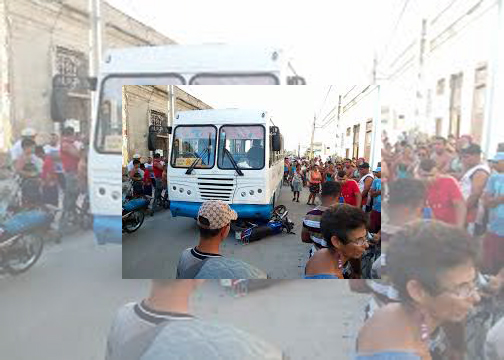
<point x="160" y="328"/>
<point x="214" y="221"/>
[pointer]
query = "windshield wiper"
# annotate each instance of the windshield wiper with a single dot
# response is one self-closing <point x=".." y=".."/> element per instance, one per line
<point x="207" y="150"/>
<point x="233" y="161"/>
<point x="193" y="165"/>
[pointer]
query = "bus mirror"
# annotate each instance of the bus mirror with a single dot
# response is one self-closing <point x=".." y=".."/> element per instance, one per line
<point x="151" y="141"/>
<point x="296" y="80"/>
<point x="93" y="83"/>
<point x="276" y="142"/>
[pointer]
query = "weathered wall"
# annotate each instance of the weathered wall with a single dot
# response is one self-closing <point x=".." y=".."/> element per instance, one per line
<point x="140" y="100"/>
<point x="38" y="28"/>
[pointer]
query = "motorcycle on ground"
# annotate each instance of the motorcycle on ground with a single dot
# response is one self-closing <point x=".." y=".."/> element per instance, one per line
<point x="247" y="231"/>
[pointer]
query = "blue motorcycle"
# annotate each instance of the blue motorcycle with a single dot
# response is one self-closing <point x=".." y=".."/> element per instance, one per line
<point x="133" y="213"/>
<point x="22" y="238"/>
<point x="251" y="232"/>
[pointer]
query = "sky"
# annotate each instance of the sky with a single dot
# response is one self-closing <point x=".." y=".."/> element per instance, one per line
<point x="292" y="107"/>
<point x="329" y="41"/>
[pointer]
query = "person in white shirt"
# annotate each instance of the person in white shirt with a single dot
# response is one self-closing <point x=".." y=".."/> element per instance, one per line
<point x="17" y="150"/>
<point x="130" y="164"/>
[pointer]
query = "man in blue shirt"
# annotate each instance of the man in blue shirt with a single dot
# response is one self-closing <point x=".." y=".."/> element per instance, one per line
<point x="376" y="195"/>
<point x="493" y="199"/>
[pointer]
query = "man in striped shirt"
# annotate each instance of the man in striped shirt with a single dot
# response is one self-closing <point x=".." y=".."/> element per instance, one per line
<point x="311" y="233"/>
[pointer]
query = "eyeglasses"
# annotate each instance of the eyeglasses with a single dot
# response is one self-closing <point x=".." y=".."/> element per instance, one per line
<point x="463" y="291"/>
<point x="360" y="241"/>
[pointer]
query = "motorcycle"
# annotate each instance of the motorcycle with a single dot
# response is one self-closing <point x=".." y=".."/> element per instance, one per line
<point x="133" y="213"/>
<point x="22" y="238"/>
<point x="249" y="232"/>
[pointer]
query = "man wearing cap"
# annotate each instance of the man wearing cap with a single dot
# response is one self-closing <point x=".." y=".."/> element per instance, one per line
<point x="365" y="185"/>
<point x="493" y="200"/>
<point x="130" y="164"/>
<point x="17" y="149"/>
<point x="472" y="184"/>
<point x="214" y="221"/>
<point x="375" y="217"/>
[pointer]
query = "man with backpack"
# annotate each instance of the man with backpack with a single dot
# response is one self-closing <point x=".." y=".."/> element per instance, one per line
<point x="205" y="260"/>
<point x="162" y="327"/>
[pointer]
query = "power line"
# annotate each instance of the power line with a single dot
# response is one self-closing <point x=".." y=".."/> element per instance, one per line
<point x="396" y="25"/>
<point x="325" y="99"/>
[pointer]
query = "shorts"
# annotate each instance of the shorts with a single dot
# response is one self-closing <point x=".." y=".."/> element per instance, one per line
<point x="314" y="188"/>
<point x="493" y="253"/>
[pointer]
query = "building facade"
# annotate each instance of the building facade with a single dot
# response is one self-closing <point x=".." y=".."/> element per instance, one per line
<point x="44" y="57"/>
<point x="144" y="106"/>
<point x="350" y="123"/>
<point x="437" y="69"/>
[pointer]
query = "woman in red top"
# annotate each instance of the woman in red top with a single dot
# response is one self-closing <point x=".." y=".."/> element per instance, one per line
<point x="315" y="179"/>
<point x="349" y="190"/>
<point x="443" y="194"/>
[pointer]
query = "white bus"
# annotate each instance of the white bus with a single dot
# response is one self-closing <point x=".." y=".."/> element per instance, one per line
<point x="232" y="155"/>
<point x="163" y="65"/>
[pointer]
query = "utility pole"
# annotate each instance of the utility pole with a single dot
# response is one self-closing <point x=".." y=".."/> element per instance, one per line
<point x="95" y="47"/>
<point x="420" y="118"/>
<point x="338" y="123"/>
<point x="312" y="135"/>
<point x="172" y="100"/>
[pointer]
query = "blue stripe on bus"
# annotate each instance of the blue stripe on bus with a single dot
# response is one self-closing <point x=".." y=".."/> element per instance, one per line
<point x="107" y="229"/>
<point x="248" y="211"/>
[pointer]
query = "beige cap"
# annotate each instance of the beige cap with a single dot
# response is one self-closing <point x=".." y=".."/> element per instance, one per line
<point x="217" y="213"/>
<point x="28" y="132"/>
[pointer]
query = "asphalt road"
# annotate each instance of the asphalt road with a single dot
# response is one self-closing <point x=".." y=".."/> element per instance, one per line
<point x="62" y="308"/>
<point x="153" y="251"/>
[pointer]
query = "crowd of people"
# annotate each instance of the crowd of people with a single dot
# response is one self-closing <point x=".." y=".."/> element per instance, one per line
<point x="344" y="228"/>
<point x="53" y="172"/>
<point x="148" y="177"/>
<point x="344" y="232"/>
<point x="442" y="268"/>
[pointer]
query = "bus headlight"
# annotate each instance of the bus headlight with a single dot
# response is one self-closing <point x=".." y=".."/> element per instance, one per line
<point x="102" y="191"/>
<point x="188" y="192"/>
<point x="259" y="191"/>
<point x="174" y="188"/>
<point x="251" y="192"/>
<point x="243" y="194"/>
<point x="181" y="190"/>
<point x="115" y="195"/>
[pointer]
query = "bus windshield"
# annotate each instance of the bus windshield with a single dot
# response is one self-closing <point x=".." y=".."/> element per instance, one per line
<point x="245" y="144"/>
<point x="109" y="125"/>
<point x="194" y="143"/>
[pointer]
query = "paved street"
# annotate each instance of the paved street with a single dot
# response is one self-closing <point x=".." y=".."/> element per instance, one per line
<point x="62" y="308"/>
<point x="153" y="251"/>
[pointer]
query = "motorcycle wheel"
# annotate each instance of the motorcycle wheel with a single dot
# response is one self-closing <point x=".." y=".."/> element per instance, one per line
<point x="278" y="212"/>
<point x="134" y="225"/>
<point x="23" y="254"/>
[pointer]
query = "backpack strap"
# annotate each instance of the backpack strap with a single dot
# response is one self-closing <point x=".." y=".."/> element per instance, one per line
<point x="194" y="270"/>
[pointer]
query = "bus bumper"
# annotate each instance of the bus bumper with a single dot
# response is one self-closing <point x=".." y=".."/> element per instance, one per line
<point x="244" y="211"/>
<point x="107" y="229"/>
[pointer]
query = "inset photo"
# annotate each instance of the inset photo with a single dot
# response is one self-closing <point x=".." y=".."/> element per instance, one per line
<point x="251" y="182"/>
